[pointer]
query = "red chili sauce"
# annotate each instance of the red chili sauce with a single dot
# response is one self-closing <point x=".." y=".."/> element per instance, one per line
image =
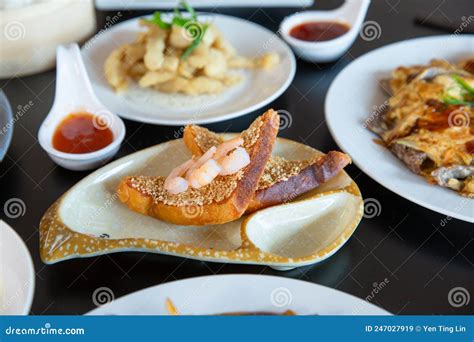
<point x="81" y="133"/>
<point x="319" y="31"/>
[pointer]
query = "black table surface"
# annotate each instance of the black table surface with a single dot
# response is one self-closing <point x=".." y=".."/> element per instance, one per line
<point x="420" y="254"/>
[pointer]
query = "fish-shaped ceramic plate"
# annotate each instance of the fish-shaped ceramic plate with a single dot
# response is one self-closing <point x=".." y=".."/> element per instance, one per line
<point x="90" y="220"/>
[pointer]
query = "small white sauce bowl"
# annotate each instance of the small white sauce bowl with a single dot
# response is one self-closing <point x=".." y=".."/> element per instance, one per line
<point x="80" y="161"/>
<point x="352" y="13"/>
<point x="74" y="94"/>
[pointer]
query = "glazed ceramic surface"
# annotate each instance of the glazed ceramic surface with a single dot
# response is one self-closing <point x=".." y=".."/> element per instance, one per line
<point x="90" y="220"/>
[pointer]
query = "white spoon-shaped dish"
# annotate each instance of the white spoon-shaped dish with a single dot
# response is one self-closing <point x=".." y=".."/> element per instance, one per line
<point x="90" y="220"/>
<point x="74" y="94"/>
<point x="351" y="13"/>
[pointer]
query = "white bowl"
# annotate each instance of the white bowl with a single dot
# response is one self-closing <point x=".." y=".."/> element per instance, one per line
<point x="84" y="161"/>
<point x="351" y="13"/>
<point x="31" y="33"/>
<point x="74" y="94"/>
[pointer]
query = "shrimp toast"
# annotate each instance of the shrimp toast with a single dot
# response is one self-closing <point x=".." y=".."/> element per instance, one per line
<point x="282" y="180"/>
<point x="225" y="199"/>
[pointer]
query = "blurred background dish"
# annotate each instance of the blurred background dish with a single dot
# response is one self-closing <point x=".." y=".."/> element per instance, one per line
<point x="33" y="28"/>
<point x="6" y="125"/>
<point x="17" y="275"/>
<point x="258" y="87"/>
<point x="153" y="4"/>
<point x="213" y="295"/>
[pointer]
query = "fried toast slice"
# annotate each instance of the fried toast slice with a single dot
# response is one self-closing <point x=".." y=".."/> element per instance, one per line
<point x="282" y="180"/>
<point x="225" y="199"/>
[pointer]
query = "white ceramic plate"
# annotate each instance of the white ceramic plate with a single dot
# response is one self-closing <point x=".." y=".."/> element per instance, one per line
<point x="17" y="275"/>
<point x="354" y="95"/>
<point x="257" y="89"/>
<point x="230" y="293"/>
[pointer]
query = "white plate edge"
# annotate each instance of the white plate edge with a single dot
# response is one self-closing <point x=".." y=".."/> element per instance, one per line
<point x="97" y="310"/>
<point x="31" y="268"/>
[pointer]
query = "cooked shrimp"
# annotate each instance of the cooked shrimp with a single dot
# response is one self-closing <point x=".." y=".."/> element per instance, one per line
<point x="180" y="170"/>
<point x="235" y="161"/>
<point x="204" y="158"/>
<point x="228" y="146"/>
<point x="177" y="185"/>
<point x="214" y="162"/>
<point x="177" y="172"/>
<point x="204" y="174"/>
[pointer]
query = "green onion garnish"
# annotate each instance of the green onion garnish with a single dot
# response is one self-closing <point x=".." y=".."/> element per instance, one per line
<point x="463" y="84"/>
<point x="181" y="21"/>
<point x="156" y="19"/>
<point x="195" y="42"/>
<point x="467" y="97"/>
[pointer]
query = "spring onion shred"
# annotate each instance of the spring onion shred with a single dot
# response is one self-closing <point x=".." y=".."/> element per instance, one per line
<point x="181" y="21"/>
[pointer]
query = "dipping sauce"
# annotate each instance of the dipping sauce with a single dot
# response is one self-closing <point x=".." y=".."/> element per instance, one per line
<point x="319" y="31"/>
<point x="81" y="133"/>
